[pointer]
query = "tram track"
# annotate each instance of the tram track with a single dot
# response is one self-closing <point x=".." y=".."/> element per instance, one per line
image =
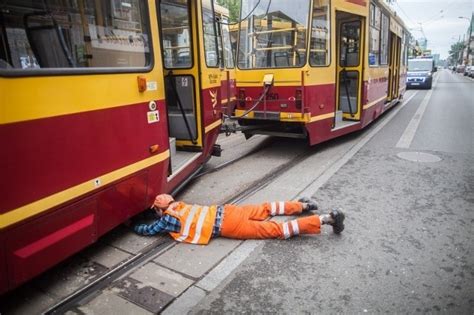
<point x="267" y="179"/>
<point x="156" y="249"/>
<point x="265" y="144"/>
<point x="108" y="278"/>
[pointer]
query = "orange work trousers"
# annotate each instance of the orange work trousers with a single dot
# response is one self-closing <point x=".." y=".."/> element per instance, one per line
<point x="247" y="222"/>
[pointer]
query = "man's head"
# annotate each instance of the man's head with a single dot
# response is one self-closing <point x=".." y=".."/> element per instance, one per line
<point x="161" y="203"/>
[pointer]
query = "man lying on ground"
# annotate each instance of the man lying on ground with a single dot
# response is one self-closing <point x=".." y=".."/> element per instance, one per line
<point x="198" y="224"/>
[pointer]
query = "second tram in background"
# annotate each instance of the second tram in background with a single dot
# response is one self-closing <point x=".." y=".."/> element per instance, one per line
<point x="104" y="104"/>
<point x="318" y="69"/>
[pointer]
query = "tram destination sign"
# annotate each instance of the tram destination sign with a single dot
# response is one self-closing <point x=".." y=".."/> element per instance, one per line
<point x="358" y="2"/>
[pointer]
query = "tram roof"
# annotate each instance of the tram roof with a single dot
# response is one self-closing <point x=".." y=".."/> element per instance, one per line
<point x="393" y="14"/>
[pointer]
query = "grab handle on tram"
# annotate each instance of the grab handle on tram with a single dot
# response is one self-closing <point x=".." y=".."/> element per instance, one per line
<point x="345" y="79"/>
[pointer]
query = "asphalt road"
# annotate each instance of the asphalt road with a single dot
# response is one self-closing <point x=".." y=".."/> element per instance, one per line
<point x="408" y="246"/>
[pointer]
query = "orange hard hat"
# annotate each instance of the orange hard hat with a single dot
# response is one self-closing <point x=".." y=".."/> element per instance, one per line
<point x="163" y="201"/>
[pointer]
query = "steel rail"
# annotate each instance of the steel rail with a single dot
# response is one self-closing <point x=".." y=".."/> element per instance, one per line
<point x="103" y="281"/>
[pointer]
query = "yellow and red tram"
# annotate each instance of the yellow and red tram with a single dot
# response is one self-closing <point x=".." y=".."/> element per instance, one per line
<point x="103" y="104"/>
<point x="317" y="69"/>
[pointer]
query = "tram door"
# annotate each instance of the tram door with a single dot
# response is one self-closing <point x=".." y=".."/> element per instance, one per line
<point x="190" y="61"/>
<point x="180" y="70"/>
<point x="394" y="69"/>
<point x="350" y="39"/>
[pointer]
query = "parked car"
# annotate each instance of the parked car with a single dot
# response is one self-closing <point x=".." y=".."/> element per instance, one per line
<point x="469" y="71"/>
<point x="460" y="68"/>
<point x="466" y="70"/>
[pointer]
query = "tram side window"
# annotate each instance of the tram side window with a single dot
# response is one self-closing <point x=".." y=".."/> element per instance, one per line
<point x="350" y="44"/>
<point x="176" y="33"/>
<point x="320" y="31"/>
<point x="74" y="34"/>
<point x="374" y="43"/>
<point x="210" y="34"/>
<point x="384" y="40"/>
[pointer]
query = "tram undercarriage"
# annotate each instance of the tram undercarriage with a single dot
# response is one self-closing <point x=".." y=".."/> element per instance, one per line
<point x="272" y="128"/>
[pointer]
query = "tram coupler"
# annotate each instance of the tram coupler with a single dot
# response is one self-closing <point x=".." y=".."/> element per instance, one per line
<point x="229" y="128"/>
<point x="216" y="150"/>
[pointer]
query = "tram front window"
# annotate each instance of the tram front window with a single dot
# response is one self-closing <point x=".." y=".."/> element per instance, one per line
<point x="273" y="35"/>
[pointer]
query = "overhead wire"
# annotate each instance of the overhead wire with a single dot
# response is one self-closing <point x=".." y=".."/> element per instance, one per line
<point x="413" y="22"/>
<point x="403" y="11"/>
<point x="435" y="17"/>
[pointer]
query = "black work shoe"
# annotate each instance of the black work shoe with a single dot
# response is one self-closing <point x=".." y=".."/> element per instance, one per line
<point x="311" y="204"/>
<point x="338" y="224"/>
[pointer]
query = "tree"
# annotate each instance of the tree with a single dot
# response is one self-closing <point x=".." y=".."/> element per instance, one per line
<point x="455" y="52"/>
<point x="234" y="9"/>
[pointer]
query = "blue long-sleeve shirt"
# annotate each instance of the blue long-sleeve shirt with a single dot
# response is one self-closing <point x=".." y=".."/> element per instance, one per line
<point x="169" y="224"/>
<point x="166" y="223"/>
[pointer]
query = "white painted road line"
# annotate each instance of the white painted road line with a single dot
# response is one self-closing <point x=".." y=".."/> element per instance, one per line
<point x="409" y="133"/>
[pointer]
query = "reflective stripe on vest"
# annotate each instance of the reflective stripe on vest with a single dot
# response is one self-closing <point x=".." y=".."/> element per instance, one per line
<point x="187" y="225"/>
<point x="200" y="223"/>
<point x="196" y="223"/>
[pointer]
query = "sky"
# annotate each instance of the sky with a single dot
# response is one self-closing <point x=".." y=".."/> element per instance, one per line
<point x="439" y="20"/>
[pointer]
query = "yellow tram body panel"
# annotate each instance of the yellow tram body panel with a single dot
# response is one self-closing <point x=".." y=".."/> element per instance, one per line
<point x="73" y="94"/>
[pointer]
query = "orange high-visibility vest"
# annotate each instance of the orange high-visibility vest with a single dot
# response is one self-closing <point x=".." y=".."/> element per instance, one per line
<point x="196" y="222"/>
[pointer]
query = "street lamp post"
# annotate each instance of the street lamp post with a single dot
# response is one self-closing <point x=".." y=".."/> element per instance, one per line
<point x="469" y="39"/>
